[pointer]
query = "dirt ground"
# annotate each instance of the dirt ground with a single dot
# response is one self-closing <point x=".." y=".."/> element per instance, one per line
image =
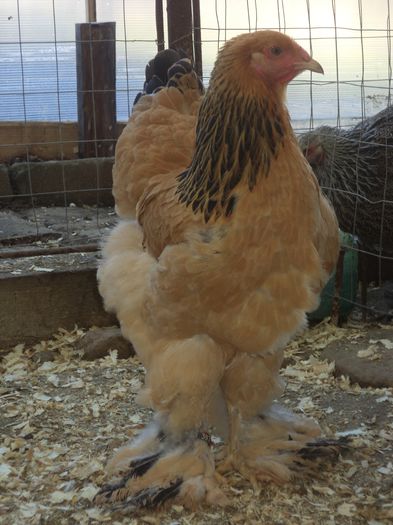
<point x="61" y="418"/>
<point x="54" y="226"/>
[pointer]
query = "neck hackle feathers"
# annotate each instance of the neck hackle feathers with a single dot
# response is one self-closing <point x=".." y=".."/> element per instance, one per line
<point x="242" y="121"/>
<point x="238" y="133"/>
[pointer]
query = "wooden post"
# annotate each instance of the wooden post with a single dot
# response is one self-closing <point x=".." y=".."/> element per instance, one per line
<point x="91" y="11"/>
<point x="362" y="267"/>
<point x="160" y="26"/>
<point x="196" y="14"/>
<point x="96" y="85"/>
<point x="338" y="285"/>
<point x="180" y="25"/>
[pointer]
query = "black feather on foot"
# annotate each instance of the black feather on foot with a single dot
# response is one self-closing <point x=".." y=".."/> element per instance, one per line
<point x="279" y="445"/>
<point x="137" y="468"/>
<point x="151" y="497"/>
<point x="325" y="448"/>
<point x="156" y="497"/>
<point x="183" y="472"/>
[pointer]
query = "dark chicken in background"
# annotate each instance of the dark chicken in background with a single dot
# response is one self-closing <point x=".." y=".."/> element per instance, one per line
<point x="355" y="169"/>
<point x="231" y="246"/>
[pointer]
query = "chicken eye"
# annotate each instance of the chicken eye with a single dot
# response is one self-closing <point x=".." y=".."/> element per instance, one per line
<point x="276" y="51"/>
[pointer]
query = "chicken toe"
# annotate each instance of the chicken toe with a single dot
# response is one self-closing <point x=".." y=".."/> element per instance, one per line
<point x="279" y="445"/>
<point x="182" y="472"/>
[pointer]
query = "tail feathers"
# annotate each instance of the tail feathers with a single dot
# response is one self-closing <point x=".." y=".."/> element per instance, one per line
<point x="170" y="68"/>
<point x="183" y="77"/>
<point x="159" y="65"/>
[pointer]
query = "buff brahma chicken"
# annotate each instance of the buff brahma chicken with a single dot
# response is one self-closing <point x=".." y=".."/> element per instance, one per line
<point x="225" y="242"/>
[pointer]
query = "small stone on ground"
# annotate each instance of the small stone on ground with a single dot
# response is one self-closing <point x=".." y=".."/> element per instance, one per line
<point x="99" y="342"/>
<point x="367" y="360"/>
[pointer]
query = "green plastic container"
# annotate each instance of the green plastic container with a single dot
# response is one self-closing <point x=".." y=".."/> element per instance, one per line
<point x="349" y="285"/>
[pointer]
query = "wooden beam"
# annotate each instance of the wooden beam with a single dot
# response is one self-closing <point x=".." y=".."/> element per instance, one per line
<point x="45" y="140"/>
<point x="196" y="14"/>
<point x="23" y="251"/>
<point x="91" y="11"/>
<point x="96" y="85"/>
<point x="338" y="286"/>
<point x="160" y="26"/>
<point x="180" y="25"/>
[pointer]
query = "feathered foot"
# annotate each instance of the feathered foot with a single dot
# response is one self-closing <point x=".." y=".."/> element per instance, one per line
<point x="279" y="445"/>
<point x="323" y="448"/>
<point x="177" y="472"/>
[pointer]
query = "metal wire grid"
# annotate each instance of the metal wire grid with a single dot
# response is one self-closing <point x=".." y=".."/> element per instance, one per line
<point x="67" y="239"/>
<point x="310" y="34"/>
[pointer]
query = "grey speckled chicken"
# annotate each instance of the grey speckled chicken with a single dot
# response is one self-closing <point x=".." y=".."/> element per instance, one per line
<point x="355" y="168"/>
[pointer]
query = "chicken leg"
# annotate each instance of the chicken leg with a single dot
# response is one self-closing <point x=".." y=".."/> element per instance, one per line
<point x="266" y="441"/>
<point x="172" y="458"/>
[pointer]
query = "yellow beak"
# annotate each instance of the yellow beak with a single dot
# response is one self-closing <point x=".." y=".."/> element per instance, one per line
<point x="310" y="65"/>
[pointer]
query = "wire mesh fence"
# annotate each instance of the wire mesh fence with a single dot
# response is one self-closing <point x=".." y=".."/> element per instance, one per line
<point x="56" y="195"/>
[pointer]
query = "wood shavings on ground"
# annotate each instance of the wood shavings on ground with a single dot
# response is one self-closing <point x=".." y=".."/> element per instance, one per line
<point x="62" y="418"/>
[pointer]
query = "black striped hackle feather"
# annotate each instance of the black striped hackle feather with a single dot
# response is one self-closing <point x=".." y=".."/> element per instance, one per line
<point x="237" y="136"/>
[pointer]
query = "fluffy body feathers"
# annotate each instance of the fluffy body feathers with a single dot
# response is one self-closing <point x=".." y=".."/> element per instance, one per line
<point x="158" y="139"/>
<point x="232" y="245"/>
